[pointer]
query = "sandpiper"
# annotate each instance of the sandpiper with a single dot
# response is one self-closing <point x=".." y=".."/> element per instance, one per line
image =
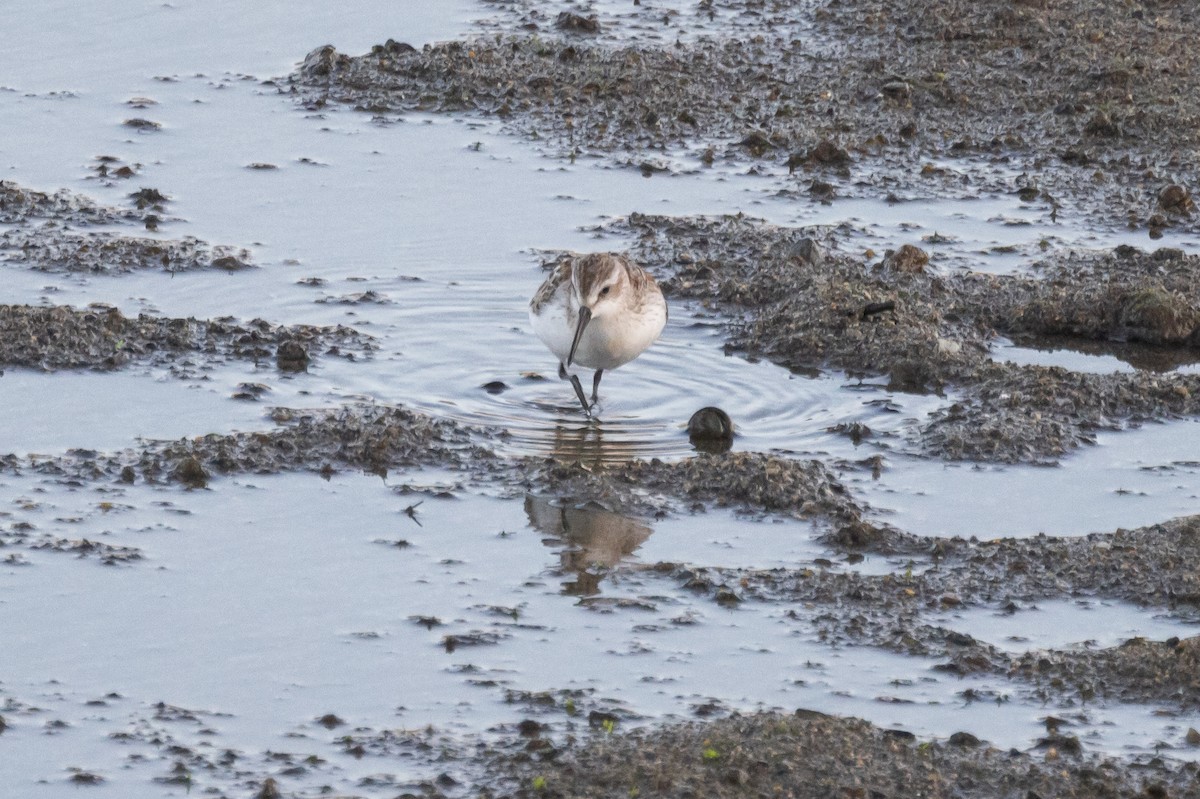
<point x="600" y="311"/>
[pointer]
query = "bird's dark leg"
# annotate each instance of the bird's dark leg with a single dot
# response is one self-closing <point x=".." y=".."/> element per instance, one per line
<point x="582" y="397"/>
<point x="596" y="385"/>
<point x="562" y="375"/>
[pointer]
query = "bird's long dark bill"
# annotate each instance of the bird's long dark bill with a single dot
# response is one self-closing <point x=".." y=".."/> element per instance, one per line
<point x="585" y="316"/>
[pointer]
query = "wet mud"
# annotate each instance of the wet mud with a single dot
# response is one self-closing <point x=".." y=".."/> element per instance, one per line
<point x="797" y="301"/>
<point x="1091" y="105"/>
<point x="94" y="253"/>
<point x="1023" y="87"/>
<point x="380" y="439"/>
<point x="50" y="233"/>
<point x="371" y="438"/>
<point x="102" y="338"/>
<point x="1149" y="566"/>
<point x="808" y="754"/>
<point x="19" y="205"/>
<point x="750" y="481"/>
<point x="1028" y="97"/>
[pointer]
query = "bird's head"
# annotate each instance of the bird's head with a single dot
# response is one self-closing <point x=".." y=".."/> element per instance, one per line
<point x="600" y="282"/>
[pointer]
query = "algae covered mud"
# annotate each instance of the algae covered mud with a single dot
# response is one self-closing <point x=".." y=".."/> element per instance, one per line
<point x="292" y="504"/>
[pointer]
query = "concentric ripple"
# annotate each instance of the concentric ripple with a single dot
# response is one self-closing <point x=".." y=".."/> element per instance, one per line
<point x="644" y="406"/>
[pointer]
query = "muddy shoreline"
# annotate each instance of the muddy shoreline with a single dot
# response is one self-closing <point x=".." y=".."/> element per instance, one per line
<point x="102" y="338"/>
<point x="904" y="99"/>
<point x="1012" y="97"/>
<point x="808" y="754"/>
<point x="798" y="303"/>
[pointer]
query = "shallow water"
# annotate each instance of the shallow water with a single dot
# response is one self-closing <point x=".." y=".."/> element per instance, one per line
<point x="263" y="604"/>
<point x="1126" y="479"/>
<point x="1098" y="360"/>
<point x="258" y="608"/>
<point x="1063" y="624"/>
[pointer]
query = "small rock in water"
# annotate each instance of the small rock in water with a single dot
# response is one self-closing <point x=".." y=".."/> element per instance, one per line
<point x="250" y="391"/>
<point x="529" y="728"/>
<point x="292" y="357"/>
<point x="191" y="473"/>
<point x="428" y="622"/>
<point x="86" y="778"/>
<point x="964" y="739"/>
<point x="710" y="430"/>
<point x="577" y="23"/>
<point x="142" y="124"/>
<point x="727" y="598"/>
<point x="230" y="264"/>
<point x="822" y="190"/>
<point x="148" y="198"/>
<point x="495" y="387"/>
<point x="329" y="721"/>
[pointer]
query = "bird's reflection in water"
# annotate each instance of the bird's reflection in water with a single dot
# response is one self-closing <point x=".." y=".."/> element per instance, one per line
<point x="586" y="444"/>
<point x="596" y="538"/>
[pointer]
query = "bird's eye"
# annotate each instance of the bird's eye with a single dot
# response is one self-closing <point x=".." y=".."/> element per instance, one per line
<point x="604" y="291"/>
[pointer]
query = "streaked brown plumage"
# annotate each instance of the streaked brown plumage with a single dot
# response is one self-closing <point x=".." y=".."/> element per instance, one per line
<point x="599" y="311"/>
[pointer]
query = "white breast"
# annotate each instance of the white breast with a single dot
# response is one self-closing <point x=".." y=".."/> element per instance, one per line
<point x="617" y="333"/>
<point x="610" y="341"/>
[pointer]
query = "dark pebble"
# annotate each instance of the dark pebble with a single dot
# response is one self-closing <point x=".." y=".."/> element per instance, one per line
<point x="191" y="473"/>
<point x="291" y="356"/>
<point x="577" y="23"/>
<point x="529" y="728"/>
<point x="965" y="739"/>
<point x="710" y="430"/>
<point x="329" y="721"/>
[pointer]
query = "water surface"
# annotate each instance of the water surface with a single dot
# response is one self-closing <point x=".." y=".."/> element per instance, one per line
<point x="267" y="602"/>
